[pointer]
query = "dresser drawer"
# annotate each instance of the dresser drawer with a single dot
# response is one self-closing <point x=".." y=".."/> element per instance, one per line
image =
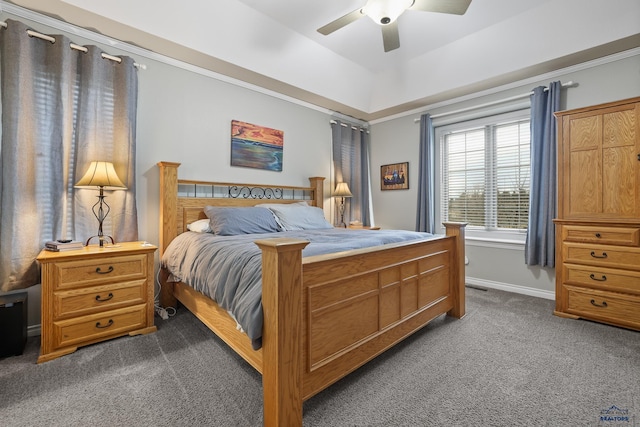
<point x="624" y="236"/>
<point x="83" y="330"/>
<point x="88" y="272"/>
<point x="82" y="301"/>
<point x="604" y="306"/>
<point x="602" y="255"/>
<point x="603" y="278"/>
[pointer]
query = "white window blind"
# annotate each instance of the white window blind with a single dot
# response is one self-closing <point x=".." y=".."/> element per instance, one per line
<point x="512" y="168"/>
<point x="485" y="174"/>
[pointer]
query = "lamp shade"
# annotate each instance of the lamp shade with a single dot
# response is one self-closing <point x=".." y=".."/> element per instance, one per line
<point x="342" y="190"/>
<point x="101" y="174"/>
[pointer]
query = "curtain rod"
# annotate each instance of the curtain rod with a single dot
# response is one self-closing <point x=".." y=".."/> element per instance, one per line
<point x="491" y="103"/>
<point x="361" y="128"/>
<point x="32" y="33"/>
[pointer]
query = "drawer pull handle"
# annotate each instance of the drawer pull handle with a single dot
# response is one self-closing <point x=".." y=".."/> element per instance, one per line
<point x="604" y="255"/>
<point x="604" y="303"/>
<point x="109" y="323"/>
<point x="99" y="271"/>
<point x="598" y="235"/>
<point x="100" y="299"/>
<point x="593" y="277"/>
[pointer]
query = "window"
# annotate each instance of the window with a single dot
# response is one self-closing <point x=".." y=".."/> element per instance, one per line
<point x="485" y="173"/>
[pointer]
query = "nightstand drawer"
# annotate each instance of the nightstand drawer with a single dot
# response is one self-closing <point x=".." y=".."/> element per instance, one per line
<point x="607" y="307"/>
<point x="603" y="278"/>
<point x="84" y="330"/>
<point x="74" y="274"/>
<point x="602" y="255"/>
<point x="625" y="236"/>
<point x="82" y="301"/>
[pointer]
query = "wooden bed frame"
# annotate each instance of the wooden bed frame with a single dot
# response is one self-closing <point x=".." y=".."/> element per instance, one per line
<point x="326" y="315"/>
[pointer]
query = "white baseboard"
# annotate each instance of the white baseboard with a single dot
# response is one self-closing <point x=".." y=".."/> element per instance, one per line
<point x="524" y="290"/>
<point x="33" y="330"/>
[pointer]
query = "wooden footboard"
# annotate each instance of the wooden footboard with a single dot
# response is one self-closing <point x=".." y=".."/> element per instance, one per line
<point x="326" y="315"/>
<point x="352" y="307"/>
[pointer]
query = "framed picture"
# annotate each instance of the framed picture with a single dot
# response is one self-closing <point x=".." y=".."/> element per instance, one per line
<point x="255" y="146"/>
<point x="394" y="176"/>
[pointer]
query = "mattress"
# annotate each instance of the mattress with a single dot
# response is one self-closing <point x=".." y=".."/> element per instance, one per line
<point x="228" y="269"/>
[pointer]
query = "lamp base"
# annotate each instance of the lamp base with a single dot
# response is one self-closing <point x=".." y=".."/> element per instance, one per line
<point x="342" y="223"/>
<point x="101" y="240"/>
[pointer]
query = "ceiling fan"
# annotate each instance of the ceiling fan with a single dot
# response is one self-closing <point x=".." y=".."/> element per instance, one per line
<point x="386" y="12"/>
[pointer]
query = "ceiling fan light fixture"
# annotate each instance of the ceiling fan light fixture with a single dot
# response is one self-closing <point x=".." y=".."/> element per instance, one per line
<point x="384" y="12"/>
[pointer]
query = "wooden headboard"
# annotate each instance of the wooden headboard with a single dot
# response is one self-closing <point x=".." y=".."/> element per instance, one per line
<point x="183" y="201"/>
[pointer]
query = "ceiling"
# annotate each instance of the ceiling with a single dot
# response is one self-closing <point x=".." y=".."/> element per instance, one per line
<point x="361" y="42"/>
<point x="274" y="44"/>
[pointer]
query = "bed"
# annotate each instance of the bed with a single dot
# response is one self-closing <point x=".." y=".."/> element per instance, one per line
<point x="323" y="315"/>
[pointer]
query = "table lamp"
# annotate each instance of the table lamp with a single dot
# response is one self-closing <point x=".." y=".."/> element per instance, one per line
<point x="342" y="191"/>
<point x="101" y="175"/>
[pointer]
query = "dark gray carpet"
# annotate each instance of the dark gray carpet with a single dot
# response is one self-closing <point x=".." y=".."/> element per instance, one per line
<point x="509" y="362"/>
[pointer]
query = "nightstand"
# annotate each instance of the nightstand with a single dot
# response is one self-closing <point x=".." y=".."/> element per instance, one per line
<point x="95" y="294"/>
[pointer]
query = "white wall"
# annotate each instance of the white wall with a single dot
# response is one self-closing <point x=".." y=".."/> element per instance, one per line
<point x="186" y="117"/>
<point x="496" y="264"/>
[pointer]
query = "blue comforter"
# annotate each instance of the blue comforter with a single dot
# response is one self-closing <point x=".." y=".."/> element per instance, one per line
<point x="228" y="269"/>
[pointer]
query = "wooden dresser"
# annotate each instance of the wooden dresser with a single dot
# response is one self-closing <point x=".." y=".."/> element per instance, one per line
<point x="598" y="224"/>
<point x="94" y="294"/>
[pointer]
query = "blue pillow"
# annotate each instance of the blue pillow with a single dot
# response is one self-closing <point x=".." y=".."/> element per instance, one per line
<point x="300" y="217"/>
<point x="233" y="221"/>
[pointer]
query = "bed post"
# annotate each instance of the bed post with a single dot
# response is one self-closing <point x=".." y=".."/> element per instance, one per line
<point x="282" y="331"/>
<point x="168" y="219"/>
<point x="168" y="203"/>
<point x="317" y="183"/>
<point x="456" y="229"/>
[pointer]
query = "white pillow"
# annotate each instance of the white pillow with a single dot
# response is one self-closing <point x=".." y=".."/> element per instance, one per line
<point x="200" y="226"/>
<point x="300" y="217"/>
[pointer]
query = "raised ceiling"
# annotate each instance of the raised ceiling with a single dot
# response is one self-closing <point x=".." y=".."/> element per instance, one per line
<point x="274" y="44"/>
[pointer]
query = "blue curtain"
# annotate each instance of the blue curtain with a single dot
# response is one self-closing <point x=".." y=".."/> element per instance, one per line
<point x="540" y="243"/>
<point x="425" y="216"/>
<point x="350" y="147"/>
<point x="365" y="184"/>
<point x="61" y="109"/>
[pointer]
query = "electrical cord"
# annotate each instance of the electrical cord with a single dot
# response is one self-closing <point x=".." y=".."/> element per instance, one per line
<point x="163" y="312"/>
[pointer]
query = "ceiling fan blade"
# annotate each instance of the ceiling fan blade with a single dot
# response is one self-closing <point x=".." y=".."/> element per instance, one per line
<point x="456" y="7"/>
<point x="341" y="22"/>
<point x="390" y="36"/>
